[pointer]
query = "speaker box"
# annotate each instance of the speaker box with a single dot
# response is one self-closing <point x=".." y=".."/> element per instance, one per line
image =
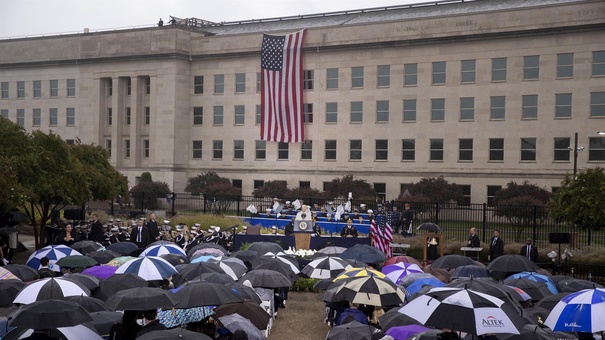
<point x="73" y="214"/>
<point x="558" y="238"/>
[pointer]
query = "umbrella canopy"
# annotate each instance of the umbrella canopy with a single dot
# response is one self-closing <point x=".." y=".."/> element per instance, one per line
<point x="123" y="248"/>
<point x="163" y="249"/>
<point x="212" y="252"/>
<point x="537" y="290"/>
<point x="535" y="315"/>
<point x="353" y="330"/>
<point x="203" y="258"/>
<point x="452" y="262"/>
<point x="277" y="266"/>
<point x="77" y="332"/>
<point x="395" y="272"/>
<point x="149" y="268"/>
<point x="550" y="302"/>
<point x="104" y="320"/>
<point x="201" y="294"/>
<point x="535" y="332"/>
<point x="393" y="318"/>
<point x="429" y="226"/>
<point x="176" y="317"/>
<point x="364" y="253"/>
<point x="49" y="314"/>
<point x="5" y="274"/>
<point x="521" y="293"/>
<point x="101" y="272"/>
<point x="441" y="274"/>
<point x="116" y="283"/>
<point x="464" y="310"/>
<point x="103" y="256"/>
<point x="265" y="247"/>
<point x="488" y="286"/>
<point x="332" y="250"/>
<point x="88" y="281"/>
<point x="119" y="261"/>
<point x="53" y="253"/>
<point x="9" y="290"/>
<point x="90" y="304"/>
<point x="175" y="259"/>
<point x="325" y="267"/>
<point x="413" y="283"/>
<point x="287" y="259"/>
<point x="359" y="272"/>
<point x="230" y="267"/>
<point x="579" y="312"/>
<point x="507" y="265"/>
<point x="245" y="292"/>
<point x="191" y="271"/>
<point x="193" y="250"/>
<point x="266" y="278"/>
<point x="87" y="247"/>
<point x="249" y="310"/>
<point x="575" y="285"/>
<point x="404" y="332"/>
<point x="213" y="277"/>
<point x="174" y="334"/>
<point x="246" y="255"/>
<point x="537" y="278"/>
<point x="23" y="272"/>
<point x="141" y="298"/>
<point x="470" y="270"/>
<point x="370" y="290"/>
<point x="402" y="258"/>
<point x="50" y="288"/>
<point x="235" y="322"/>
<point x="76" y="261"/>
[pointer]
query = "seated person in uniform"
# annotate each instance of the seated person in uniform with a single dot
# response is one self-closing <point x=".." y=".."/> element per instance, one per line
<point x="349" y="230"/>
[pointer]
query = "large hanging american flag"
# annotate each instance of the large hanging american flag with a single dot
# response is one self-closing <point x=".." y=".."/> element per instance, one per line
<point x="382" y="234"/>
<point x="282" y="88"/>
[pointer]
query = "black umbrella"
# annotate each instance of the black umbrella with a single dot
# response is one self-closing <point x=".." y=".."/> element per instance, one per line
<point x="76" y="261"/>
<point x="116" y="283"/>
<point x="429" y="226"/>
<point x="551" y="301"/>
<point x="142" y="298"/>
<point x="370" y="290"/>
<point x="91" y="282"/>
<point x="430" y="335"/>
<point x="90" y="304"/>
<point x="193" y="250"/>
<point x="205" y="294"/>
<point x="353" y="330"/>
<point x="488" y="286"/>
<point x="86" y="247"/>
<point x="393" y="318"/>
<point x="174" y="334"/>
<point x="537" y="290"/>
<point x="535" y="332"/>
<point x="192" y="271"/>
<point x="9" y="290"/>
<point x="249" y="310"/>
<point x="575" y="285"/>
<point x="507" y="265"/>
<point x="276" y="265"/>
<point x="50" y="288"/>
<point x="123" y="248"/>
<point x="104" y="320"/>
<point x="103" y="256"/>
<point x="25" y="273"/>
<point x="470" y="270"/>
<point x="266" y="278"/>
<point x="49" y="314"/>
<point x="364" y="253"/>
<point x="216" y="278"/>
<point x="323" y="284"/>
<point x="246" y="255"/>
<point x="175" y="259"/>
<point x="265" y="247"/>
<point x="245" y="292"/>
<point x="452" y="262"/>
<point x="535" y="314"/>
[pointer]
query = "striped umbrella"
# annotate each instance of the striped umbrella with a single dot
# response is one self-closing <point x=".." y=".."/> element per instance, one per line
<point x="149" y="268"/>
<point x="119" y="261"/>
<point x="50" y="288"/>
<point x="287" y="259"/>
<point x="232" y="268"/>
<point x="395" y="272"/>
<point x="326" y="267"/>
<point x="537" y="278"/>
<point x="359" y="272"/>
<point x="7" y="275"/>
<point x="162" y="249"/>
<point x="579" y="312"/>
<point x="53" y="253"/>
<point x="370" y="290"/>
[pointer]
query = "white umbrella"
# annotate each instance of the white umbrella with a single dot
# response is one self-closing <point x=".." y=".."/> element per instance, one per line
<point x="163" y="249"/>
<point x="78" y="332"/>
<point x="325" y="267"/>
<point x="50" y="288"/>
<point x="285" y="259"/>
<point x="53" y="253"/>
<point x="579" y="312"/>
<point x="149" y="268"/>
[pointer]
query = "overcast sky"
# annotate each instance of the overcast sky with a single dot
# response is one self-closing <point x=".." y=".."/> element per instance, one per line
<point x="20" y="18"/>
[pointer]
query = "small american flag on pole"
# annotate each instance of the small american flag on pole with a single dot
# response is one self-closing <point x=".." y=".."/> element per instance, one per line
<point x="282" y="88"/>
<point x="382" y="235"/>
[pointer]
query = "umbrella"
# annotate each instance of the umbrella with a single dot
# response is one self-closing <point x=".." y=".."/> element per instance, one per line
<point x="395" y="272"/>
<point x="141" y="298"/>
<point x="200" y="294"/>
<point x="550" y="302"/>
<point x="431" y="334"/>
<point x="325" y="267"/>
<point x="102" y="272"/>
<point x="277" y="266"/>
<point x="103" y="256"/>
<point x="506" y="265"/>
<point x="149" y="268"/>
<point x="429" y="226"/>
<point x="213" y="252"/>
<point x="123" y="248"/>
<point x="249" y="310"/>
<point x="231" y="268"/>
<point x="537" y="290"/>
<point x="402" y="258"/>
<point x="575" y="285"/>
<point x="174" y="334"/>
<point x="537" y="278"/>
<point x="331" y="250"/>
<point x="25" y="273"/>
<point x="266" y="278"/>
<point x="49" y="314"/>
<point x="163" y="249"/>
<point x="470" y="270"/>
<point x="404" y="332"/>
<point x="77" y="332"/>
<point x="76" y="261"/>
<point x="116" y="283"/>
<point x="191" y="271"/>
<point x="579" y="312"/>
<point x="245" y="292"/>
<point x="88" y="281"/>
<point x="160" y="242"/>
<point x="193" y="250"/>
<point x="281" y="256"/>
<point x="488" y="286"/>
<point x="535" y="315"/>
<point x="415" y="282"/>
<point x="202" y="258"/>
<point x="235" y="322"/>
<point x="175" y="259"/>
<point x="265" y="247"/>
<point x="53" y="253"/>
<point x="177" y="317"/>
<point x="393" y="318"/>
<point x="441" y="274"/>
<point x="9" y="290"/>
<point x="464" y="310"/>
<point x="214" y="278"/>
<point x="370" y="290"/>
<point x="86" y="247"/>
<point x="90" y="304"/>
<point x="353" y="330"/>
<point x="50" y="288"/>
<point x="5" y="274"/>
<point x="104" y="320"/>
<point x="119" y="261"/>
<point x="364" y="253"/>
<point x="359" y="272"/>
<point x="521" y="293"/>
<point x="452" y="261"/>
<point x="355" y="263"/>
<point x="246" y="255"/>
<point x="323" y="284"/>
<point x="535" y="332"/>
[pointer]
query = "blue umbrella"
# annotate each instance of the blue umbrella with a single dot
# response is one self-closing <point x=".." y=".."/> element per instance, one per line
<point x="419" y="283"/>
<point x="579" y="312"/>
<point x="123" y="248"/>
<point x="177" y="317"/>
<point x="470" y="271"/>
<point x="162" y="249"/>
<point x="149" y="268"/>
<point x="537" y="278"/>
<point x="203" y="258"/>
<point x="53" y="253"/>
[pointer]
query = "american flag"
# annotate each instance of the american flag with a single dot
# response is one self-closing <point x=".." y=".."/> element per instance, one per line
<point x="282" y="88"/>
<point x="382" y="234"/>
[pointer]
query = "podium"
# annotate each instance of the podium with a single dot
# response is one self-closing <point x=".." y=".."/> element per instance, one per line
<point x="302" y="240"/>
<point x="472" y="252"/>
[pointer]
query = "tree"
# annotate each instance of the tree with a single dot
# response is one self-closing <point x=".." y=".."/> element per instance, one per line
<point x="147" y="192"/>
<point x="429" y="191"/>
<point x="275" y="188"/>
<point x="516" y="203"/>
<point x="211" y="183"/>
<point x="581" y="201"/>
<point x="307" y="193"/>
<point x="340" y="187"/>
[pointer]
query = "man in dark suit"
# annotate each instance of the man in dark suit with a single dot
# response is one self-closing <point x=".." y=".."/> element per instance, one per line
<point x="96" y="229"/>
<point x="140" y="235"/>
<point x="475" y="242"/>
<point x="152" y="226"/>
<point x="496" y="246"/>
<point x="529" y="250"/>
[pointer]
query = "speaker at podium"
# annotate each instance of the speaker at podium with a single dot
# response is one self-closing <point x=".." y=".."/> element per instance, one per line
<point x="303" y="228"/>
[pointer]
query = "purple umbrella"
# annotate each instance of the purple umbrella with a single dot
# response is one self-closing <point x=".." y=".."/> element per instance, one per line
<point x="404" y="332"/>
<point x="102" y="272"/>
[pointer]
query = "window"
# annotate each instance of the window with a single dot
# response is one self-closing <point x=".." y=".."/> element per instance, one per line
<point x="145" y="148"/>
<point x="147" y="115"/>
<point x="258" y="183"/>
<point x="128" y="116"/>
<point x="258" y="82"/>
<point x="238" y="149"/>
<point x="438" y="72"/>
<point x="37" y="117"/>
<point x="128" y="86"/>
<point x="467" y="71"/>
<point x="196" y="147"/>
<point x="596" y="149"/>
<point x="381" y="190"/>
<point x="466" y="194"/>
<point x="498" y="69"/>
<point x="438" y="109"/>
<point x="198" y="115"/>
<point x="530" y="107"/>
<point x="20" y="89"/>
<point x="70" y="141"/>
<point x="54" y="88"/>
<point x="108" y="146"/>
<point x="37" y="88"/>
<point x="357" y="77"/>
<point x="4" y="90"/>
<point x="147" y="81"/>
<point x="410" y="74"/>
<point x="306" y="150"/>
<point x="239" y="114"/>
<point x="491" y="193"/>
<point x="219" y="83"/>
<point x="408" y="150"/>
<point x="53" y="115"/>
<point x="598" y="63"/>
<point x="563" y="105"/>
<point x="126" y="148"/>
<point x="330" y="149"/>
<point x="237" y="183"/>
<point x="308" y="113"/>
<point x="217" y="149"/>
<point x="356" y="112"/>
<point x="331" y="78"/>
<point x="71" y="116"/>
<point x="304" y="184"/>
<point x="218" y="115"/>
<point x="282" y="151"/>
<point x="4" y="113"/>
<point x="257" y="114"/>
<point x="71" y="87"/>
<point x="528" y="149"/>
<point x="496" y="149"/>
<point x="531" y="67"/>
<point x="597" y="104"/>
<point x="20" y="117"/>
<point x="198" y="85"/>
<point x="355" y="150"/>
<point x="382" y="111"/>
<point x="308" y="79"/>
<point x="497" y="107"/>
<point x="331" y="112"/>
<point x="565" y="65"/>
<point x="240" y="83"/>
<point x="109" y="87"/>
<point x="465" y="149"/>
<point x="382" y="150"/>
<point x="436" y="149"/>
<point x="383" y="76"/>
<point x="260" y="149"/>
<point x="409" y="110"/>
<point x="562" y="145"/>
<point x="467" y="108"/>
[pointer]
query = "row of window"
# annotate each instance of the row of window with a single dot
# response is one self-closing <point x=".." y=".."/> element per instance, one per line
<point x="146" y="81"/>
<point x="128" y="116"/>
<point x="53" y="116"/>
<point x="468" y="73"/>
<point x="36" y="89"/>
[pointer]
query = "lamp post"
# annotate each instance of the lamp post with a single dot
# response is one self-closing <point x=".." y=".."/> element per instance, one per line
<point x="577" y="149"/>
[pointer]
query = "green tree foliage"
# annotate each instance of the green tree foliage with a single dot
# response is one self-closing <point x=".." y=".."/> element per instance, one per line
<point x="146" y="177"/>
<point x="275" y="188"/>
<point x="516" y="203"/>
<point x="105" y="182"/>
<point x="146" y="194"/>
<point x="210" y="183"/>
<point x="307" y="193"/>
<point x="581" y="201"/>
<point x="340" y="187"/>
<point x="432" y="189"/>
